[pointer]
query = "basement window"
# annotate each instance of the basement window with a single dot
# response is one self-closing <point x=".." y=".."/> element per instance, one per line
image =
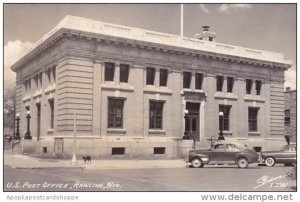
<point x="118" y="150"/>
<point x="159" y="150"/>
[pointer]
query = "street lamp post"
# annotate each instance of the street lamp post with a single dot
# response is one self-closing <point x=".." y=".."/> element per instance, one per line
<point x="221" y="118"/>
<point x="185" y="136"/>
<point x="17" y="134"/>
<point x="27" y="134"/>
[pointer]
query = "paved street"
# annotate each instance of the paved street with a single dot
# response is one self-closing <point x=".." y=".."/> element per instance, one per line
<point x="212" y="178"/>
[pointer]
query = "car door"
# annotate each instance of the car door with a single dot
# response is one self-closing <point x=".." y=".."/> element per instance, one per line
<point x="230" y="152"/>
<point x="217" y="153"/>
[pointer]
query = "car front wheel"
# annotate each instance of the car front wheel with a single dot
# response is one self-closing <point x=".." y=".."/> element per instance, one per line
<point x="197" y="163"/>
<point x="242" y="163"/>
<point x="270" y="161"/>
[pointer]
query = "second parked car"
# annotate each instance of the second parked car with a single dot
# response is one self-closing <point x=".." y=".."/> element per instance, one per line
<point x="223" y="152"/>
<point x="286" y="155"/>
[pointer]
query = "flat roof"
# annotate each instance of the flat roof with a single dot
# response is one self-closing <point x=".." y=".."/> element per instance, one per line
<point x="137" y="34"/>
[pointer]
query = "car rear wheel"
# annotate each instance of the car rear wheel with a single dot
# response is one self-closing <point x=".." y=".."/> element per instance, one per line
<point x="242" y="163"/>
<point x="270" y="161"/>
<point x="197" y="163"/>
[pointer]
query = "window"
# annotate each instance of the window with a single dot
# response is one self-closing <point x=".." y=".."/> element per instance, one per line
<point x="220" y="81"/>
<point x="54" y="73"/>
<point x="115" y="113"/>
<point x="226" y="117"/>
<point x="258" y="85"/>
<point x="248" y="86"/>
<point x="150" y="76"/>
<point x="187" y="79"/>
<point x="287" y="117"/>
<point x="109" y="71"/>
<point x="159" y="150"/>
<point x="41" y="79"/>
<point x="36" y="81"/>
<point x="156" y="115"/>
<point x="252" y="119"/>
<point x="124" y="73"/>
<point x="230" y="82"/>
<point x="220" y="146"/>
<point x="198" y="81"/>
<point x="51" y="107"/>
<point x="118" y="150"/>
<point x="163" y="77"/>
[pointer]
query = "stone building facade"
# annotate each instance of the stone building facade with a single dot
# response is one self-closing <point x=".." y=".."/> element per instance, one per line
<point x="135" y="92"/>
<point x="290" y="113"/>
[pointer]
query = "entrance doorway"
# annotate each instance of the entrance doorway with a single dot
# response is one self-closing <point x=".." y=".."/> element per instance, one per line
<point x="192" y="119"/>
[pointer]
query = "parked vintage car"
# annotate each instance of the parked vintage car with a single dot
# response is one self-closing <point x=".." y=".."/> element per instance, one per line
<point x="223" y="152"/>
<point x="286" y="155"/>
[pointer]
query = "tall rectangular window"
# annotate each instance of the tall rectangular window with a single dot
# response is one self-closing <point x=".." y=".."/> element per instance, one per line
<point x="51" y="108"/>
<point x="109" y="71"/>
<point x="258" y="85"/>
<point x="150" y="76"/>
<point x="248" y="86"/>
<point x="252" y="119"/>
<point x="198" y="81"/>
<point x="220" y="81"/>
<point x="163" y="77"/>
<point x="36" y="81"/>
<point x="124" y="73"/>
<point x="54" y="73"/>
<point x="115" y="113"/>
<point x="187" y="76"/>
<point x="41" y="79"/>
<point x="287" y="117"/>
<point x="230" y="83"/>
<point x="156" y="115"/>
<point x="224" y="121"/>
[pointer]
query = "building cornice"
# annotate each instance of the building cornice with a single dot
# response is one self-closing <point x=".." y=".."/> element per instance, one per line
<point x="100" y="32"/>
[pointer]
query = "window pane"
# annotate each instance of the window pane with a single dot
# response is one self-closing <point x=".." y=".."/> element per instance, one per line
<point x="115" y="113"/>
<point x="225" y="123"/>
<point x="163" y="79"/>
<point x="230" y="82"/>
<point x="155" y="115"/>
<point x="252" y="118"/>
<point x="220" y="80"/>
<point x="187" y="79"/>
<point x="258" y="87"/>
<point x="109" y="71"/>
<point x="199" y="81"/>
<point x="124" y="73"/>
<point x="150" y="76"/>
<point x="248" y="86"/>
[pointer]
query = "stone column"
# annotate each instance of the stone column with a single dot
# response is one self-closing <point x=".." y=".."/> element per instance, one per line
<point x="97" y="70"/>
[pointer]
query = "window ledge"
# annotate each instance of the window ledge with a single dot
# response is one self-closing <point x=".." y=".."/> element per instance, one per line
<point x="187" y="90"/>
<point x="50" y="88"/>
<point x="37" y="93"/>
<point x="227" y="133"/>
<point x="161" y="90"/>
<point x="50" y="131"/>
<point x="156" y="132"/>
<point x="222" y="95"/>
<point x="26" y="98"/>
<point x="254" y="133"/>
<point x="256" y="98"/>
<point x="116" y="130"/>
<point x="113" y="86"/>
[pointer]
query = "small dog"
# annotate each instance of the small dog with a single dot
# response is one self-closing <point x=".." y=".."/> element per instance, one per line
<point x="87" y="159"/>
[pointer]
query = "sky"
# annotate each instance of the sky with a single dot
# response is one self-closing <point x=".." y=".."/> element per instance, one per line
<point x="269" y="27"/>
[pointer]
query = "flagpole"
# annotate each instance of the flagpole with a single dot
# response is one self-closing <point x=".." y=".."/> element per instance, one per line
<point x="181" y="20"/>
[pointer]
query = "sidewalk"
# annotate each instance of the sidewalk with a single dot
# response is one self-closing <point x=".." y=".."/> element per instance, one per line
<point x="28" y="162"/>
